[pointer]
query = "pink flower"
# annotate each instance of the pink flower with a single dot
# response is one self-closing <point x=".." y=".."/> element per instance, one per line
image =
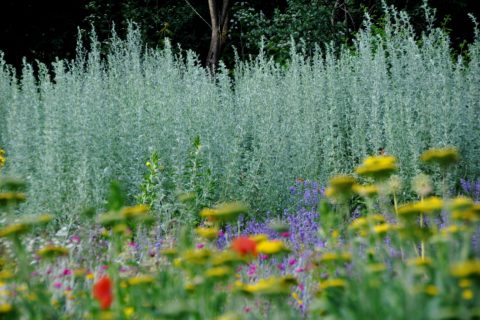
<point x="299" y="270"/>
<point x="75" y="239"/>
<point x="252" y="269"/>
<point x="292" y="261"/>
<point x="200" y="245"/>
<point x="247" y="309"/>
<point x="57" y="285"/>
<point x="67" y="272"/>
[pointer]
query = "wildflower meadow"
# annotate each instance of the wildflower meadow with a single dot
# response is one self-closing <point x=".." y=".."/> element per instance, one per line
<point x="136" y="184"/>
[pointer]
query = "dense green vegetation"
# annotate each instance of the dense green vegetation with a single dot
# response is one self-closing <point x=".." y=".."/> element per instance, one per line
<point x="26" y="32"/>
<point x="100" y="119"/>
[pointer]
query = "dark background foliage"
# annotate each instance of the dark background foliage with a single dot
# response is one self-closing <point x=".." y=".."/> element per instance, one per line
<point x="47" y="29"/>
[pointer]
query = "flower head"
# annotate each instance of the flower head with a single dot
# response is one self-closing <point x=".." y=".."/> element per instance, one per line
<point x="377" y="166"/>
<point x="244" y="246"/>
<point x="422" y="185"/>
<point x="440" y="156"/>
<point x="102" y="291"/>
<point x="224" y="211"/>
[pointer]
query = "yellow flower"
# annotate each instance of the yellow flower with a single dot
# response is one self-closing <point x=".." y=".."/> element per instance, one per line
<point x="333" y="256"/>
<point x="432" y="204"/>
<point x="382" y="228"/>
<point x="226" y="257"/>
<point x="452" y="229"/>
<point x="197" y="256"/>
<point x="218" y="272"/>
<point x="340" y="186"/>
<point x="207" y="233"/>
<point x="335" y="234"/>
<point x="52" y="251"/>
<point x="224" y="211"/>
<point x="5" y="307"/>
<point x="358" y="223"/>
<point x="12" y="197"/>
<point x="420" y="262"/>
<point x="467" y="294"/>
<point x="141" y="280"/>
<point x="128" y="311"/>
<point x="465" y="215"/>
<point x="465" y="283"/>
<point x="376" y="267"/>
<point x="90" y="276"/>
<point x="272" y="247"/>
<point x="441" y="156"/>
<point x="461" y="204"/>
<point x="297" y="298"/>
<point x="366" y="191"/>
<point x="377" y="166"/>
<point x="80" y="272"/>
<point x="259" y="237"/>
<point x="13" y="230"/>
<point x="134" y="212"/>
<point x="342" y="182"/>
<point x="169" y="252"/>
<point x="3" y="159"/>
<point x="332" y="283"/>
<point x="6" y="275"/>
<point x="229" y="316"/>
<point x="466" y="269"/>
<point x="270" y="286"/>
<point x="431" y="290"/>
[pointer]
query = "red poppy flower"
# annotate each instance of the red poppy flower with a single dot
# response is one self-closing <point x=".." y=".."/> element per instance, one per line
<point x="244" y="246"/>
<point x="102" y="291"/>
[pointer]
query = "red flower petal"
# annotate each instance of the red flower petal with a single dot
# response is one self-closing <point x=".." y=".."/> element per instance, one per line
<point x="102" y="291"/>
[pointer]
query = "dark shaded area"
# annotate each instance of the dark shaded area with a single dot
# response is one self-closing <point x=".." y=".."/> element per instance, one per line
<point x="44" y="30"/>
<point x="41" y="30"/>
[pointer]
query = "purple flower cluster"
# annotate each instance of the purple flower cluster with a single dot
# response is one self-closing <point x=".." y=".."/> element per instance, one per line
<point x="471" y="188"/>
<point x="301" y="219"/>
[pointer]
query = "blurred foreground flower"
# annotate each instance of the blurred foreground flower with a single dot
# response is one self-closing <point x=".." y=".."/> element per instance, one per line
<point x="3" y="159"/>
<point x="377" y="167"/>
<point x="224" y="211"/>
<point x="269" y="286"/>
<point x="244" y="246"/>
<point x="440" y="156"/>
<point x="102" y="291"/>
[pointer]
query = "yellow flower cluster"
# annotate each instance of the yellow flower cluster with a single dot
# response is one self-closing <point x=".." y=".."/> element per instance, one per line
<point x="466" y="269"/>
<point x="269" y="286"/>
<point x="3" y="159"/>
<point x="377" y="166"/>
<point x="224" y="211"/>
<point x="441" y="156"/>
<point x="24" y="225"/>
<point x="429" y="205"/>
<point x="272" y="247"/>
<point x="207" y="233"/>
<point x="52" y="251"/>
<point x="366" y="191"/>
<point x="340" y="186"/>
<point x="137" y="214"/>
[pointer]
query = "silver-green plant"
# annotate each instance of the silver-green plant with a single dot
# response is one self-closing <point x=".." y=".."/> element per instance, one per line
<point x="96" y="118"/>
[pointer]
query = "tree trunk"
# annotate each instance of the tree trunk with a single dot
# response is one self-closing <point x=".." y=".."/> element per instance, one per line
<point x="219" y="21"/>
